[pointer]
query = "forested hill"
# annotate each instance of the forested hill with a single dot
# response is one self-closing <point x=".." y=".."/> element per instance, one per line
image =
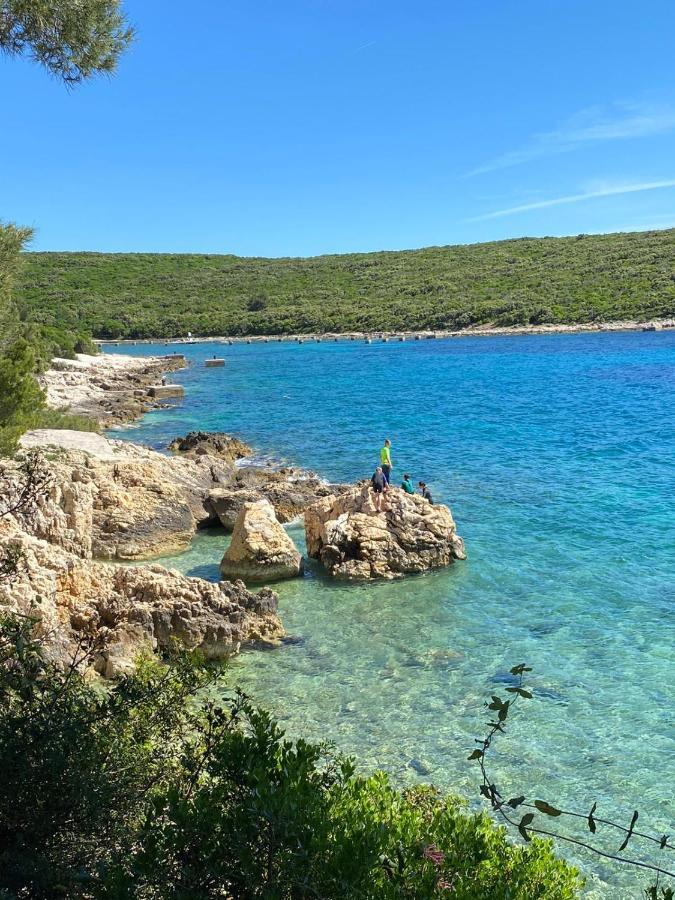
<point x="530" y="280"/>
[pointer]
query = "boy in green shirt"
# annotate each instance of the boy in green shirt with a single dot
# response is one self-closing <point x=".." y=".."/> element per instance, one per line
<point x="407" y="485"/>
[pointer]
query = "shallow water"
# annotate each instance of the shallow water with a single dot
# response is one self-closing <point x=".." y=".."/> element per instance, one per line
<point x="557" y="456"/>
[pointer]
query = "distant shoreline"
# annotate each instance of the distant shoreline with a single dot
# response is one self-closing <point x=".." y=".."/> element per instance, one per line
<point x="423" y="334"/>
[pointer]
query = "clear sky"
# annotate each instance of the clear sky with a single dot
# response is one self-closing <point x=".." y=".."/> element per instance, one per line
<point x="301" y="127"/>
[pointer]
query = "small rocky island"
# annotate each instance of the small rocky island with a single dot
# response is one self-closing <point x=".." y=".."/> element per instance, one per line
<point x="351" y="540"/>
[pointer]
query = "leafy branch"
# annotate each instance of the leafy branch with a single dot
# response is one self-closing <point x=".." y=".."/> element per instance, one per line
<point x="20" y="492"/>
<point x="529" y="822"/>
<point x="22" y="488"/>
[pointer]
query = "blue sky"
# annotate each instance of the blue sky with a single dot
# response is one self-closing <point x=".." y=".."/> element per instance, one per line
<point x="324" y="126"/>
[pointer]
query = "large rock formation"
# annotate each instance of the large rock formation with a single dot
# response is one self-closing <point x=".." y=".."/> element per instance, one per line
<point x="124" y="610"/>
<point x="353" y="541"/>
<point x="123" y="501"/>
<point x="260" y="549"/>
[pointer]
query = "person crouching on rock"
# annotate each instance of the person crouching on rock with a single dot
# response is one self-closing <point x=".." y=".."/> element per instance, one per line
<point x="407" y="485"/>
<point x="379" y="485"/>
<point x="424" y="491"/>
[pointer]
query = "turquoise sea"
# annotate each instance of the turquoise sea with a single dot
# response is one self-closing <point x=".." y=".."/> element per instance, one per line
<point x="557" y="456"/>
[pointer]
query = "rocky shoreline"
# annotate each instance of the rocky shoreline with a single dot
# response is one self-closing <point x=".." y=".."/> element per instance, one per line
<point x="102" y="502"/>
<point x="110" y="389"/>
<point x="417" y="335"/>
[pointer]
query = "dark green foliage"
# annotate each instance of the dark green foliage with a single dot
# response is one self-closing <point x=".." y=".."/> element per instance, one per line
<point x="25" y="349"/>
<point x="72" y="40"/>
<point x="21" y="398"/>
<point x="654" y="892"/>
<point x="137" y="791"/>
<point x="77" y="763"/>
<point x="518" y="282"/>
<point x="50" y="341"/>
<point x="12" y="239"/>
<point x="22" y="401"/>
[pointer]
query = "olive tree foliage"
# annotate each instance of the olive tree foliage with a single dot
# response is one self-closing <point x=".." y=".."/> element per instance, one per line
<point x="73" y="39"/>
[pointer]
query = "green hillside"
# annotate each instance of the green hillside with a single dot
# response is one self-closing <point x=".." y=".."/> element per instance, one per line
<point x="531" y="280"/>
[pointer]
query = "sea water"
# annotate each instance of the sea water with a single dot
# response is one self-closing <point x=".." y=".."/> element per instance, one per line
<point x="556" y="454"/>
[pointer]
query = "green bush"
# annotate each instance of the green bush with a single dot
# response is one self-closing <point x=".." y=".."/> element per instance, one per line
<point x="20" y="395"/>
<point x="12" y="239"/>
<point x="139" y="791"/>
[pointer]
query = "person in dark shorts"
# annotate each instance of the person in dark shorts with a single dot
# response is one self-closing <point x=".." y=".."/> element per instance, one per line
<point x="379" y="485"/>
<point x="425" y="492"/>
<point x="407" y="485"/>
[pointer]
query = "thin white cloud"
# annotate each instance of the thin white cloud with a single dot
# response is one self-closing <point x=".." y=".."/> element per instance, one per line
<point x="607" y="190"/>
<point x="591" y="125"/>
<point x="364" y="47"/>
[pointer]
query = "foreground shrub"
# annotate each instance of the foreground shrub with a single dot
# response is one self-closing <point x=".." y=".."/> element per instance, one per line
<point x="138" y="791"/>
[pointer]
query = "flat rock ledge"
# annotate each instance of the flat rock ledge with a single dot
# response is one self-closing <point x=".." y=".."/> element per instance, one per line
<point x="354" y="542"/>
<point x="110" y="388"/>
<point x="260" y="549"/>
<point x="290" y="491"/>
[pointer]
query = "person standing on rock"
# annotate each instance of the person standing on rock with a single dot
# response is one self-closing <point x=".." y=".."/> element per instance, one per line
<point x="380" y="485"/>
<point x="385" y="460"/>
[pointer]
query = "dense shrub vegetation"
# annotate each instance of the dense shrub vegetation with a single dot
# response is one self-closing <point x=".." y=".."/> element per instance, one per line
<point x="25" y="350"/>
<point x="516" y="282"/>
<point x="139" y="792"/>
